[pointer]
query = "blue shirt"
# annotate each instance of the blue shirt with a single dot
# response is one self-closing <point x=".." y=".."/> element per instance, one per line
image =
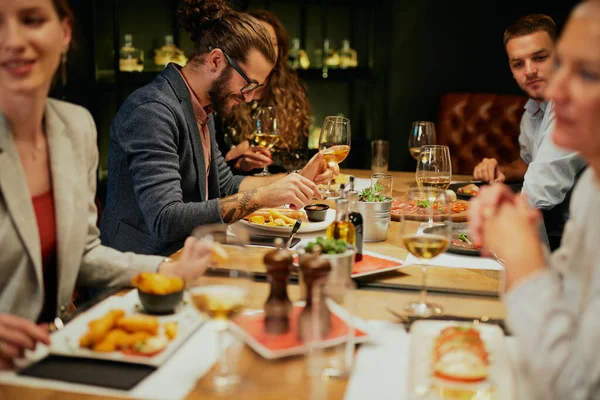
<point x="551" y="171"/>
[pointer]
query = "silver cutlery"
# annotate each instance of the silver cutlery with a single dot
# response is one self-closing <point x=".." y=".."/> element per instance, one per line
<point x="294" y="230"/>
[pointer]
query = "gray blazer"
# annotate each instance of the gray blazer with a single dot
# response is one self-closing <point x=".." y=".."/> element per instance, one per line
<point x="81" y="259"/>
<point x="156" y="175"/>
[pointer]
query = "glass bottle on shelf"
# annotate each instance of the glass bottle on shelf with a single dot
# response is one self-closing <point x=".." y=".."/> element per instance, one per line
<point x="348" y="56"/>
<point x="332" y="59"/>
<point x="294" y="54"/>
<point x="169" y="53"/>
<point x="130" y="58"/>
<point x="342" y="228"/>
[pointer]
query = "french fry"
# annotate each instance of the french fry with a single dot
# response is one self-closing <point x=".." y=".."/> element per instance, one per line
<point x="276" y="214"/>
<point x="100" y="327"/>
<point x="137" y="323"/>
<point x="171" y="329"/>
<point x="112" y="341"/>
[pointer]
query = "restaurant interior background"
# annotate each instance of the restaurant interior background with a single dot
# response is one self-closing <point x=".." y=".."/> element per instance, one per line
<point x="410" y="53"/>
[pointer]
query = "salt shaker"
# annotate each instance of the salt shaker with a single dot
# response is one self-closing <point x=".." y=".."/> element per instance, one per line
<point x="314" y="269"/>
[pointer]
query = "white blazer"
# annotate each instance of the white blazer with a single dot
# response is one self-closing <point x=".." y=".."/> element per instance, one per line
<point x="81" y="259"/>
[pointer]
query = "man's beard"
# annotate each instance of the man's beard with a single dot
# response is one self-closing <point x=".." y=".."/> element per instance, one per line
<point x="536" y="95"/>
<point x="217" y="93"/>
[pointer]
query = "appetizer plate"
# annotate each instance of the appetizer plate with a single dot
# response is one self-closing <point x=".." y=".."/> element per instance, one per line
<point x="422" y="384"/>
<point x="250" y="327"/>
<point x="306" y="226"/>
<point x="65" y="342"/>
<point x="454" y="186"/>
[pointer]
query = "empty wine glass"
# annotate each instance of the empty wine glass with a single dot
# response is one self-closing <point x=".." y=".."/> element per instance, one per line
<point x="434" y="168"/>
<point x="421" y="134"/>
<point x="334" y="144"/>
<point x="266" y="133"/>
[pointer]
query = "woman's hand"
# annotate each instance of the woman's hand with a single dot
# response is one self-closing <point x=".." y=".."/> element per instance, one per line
<point x="255" y="157"/>
<point x="16" y="335"/>
<point x="250" y="157"/>
<point x="318" y="171"/>
<point x="501" y="221"/>
<point x="193" y="261"/>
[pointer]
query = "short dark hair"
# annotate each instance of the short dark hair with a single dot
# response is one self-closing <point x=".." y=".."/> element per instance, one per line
<point x="530" y="24"/>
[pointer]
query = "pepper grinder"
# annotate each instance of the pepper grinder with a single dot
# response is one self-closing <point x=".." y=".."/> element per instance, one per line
<point x="314" y="270"/>
<point x="278" y="306"/>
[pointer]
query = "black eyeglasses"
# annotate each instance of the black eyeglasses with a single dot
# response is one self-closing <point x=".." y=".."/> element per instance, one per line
<point x="251" y="85"/>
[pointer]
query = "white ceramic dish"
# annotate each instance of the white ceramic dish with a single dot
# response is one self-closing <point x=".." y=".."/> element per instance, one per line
<point x="306" y="226"/>
<point x="66" y="341"/>
<point x="422" y="384"/>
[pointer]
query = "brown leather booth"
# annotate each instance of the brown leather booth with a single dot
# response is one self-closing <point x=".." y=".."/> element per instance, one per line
<point x="478" y="125"/>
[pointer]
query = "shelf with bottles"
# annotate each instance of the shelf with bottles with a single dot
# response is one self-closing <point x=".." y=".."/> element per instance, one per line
<point x="339" y="64"/>
<point x="133" y="70"/>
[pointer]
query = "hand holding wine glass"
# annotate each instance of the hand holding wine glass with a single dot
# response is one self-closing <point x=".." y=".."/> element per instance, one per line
<point x="421" y="134"/>
<point x="334" y="144"/>
<point x="426" y="242"/>
<point x="266" y="134"/>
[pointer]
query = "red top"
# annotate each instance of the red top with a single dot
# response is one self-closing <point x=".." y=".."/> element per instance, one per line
<point x="43" y="206"/>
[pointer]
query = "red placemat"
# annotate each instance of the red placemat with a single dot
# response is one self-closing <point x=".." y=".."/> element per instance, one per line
<point x="272" y="346"/>
<point x="371" y="264"/>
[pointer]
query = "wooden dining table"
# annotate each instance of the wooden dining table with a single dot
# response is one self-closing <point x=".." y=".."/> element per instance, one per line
<point x="287" y="378"/>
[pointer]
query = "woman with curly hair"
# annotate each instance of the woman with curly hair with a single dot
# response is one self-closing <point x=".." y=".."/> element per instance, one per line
<point x="284" y="91"/>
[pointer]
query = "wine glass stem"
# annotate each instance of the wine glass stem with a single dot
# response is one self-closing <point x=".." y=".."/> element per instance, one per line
<point x="265" y="170"/>
<point x="223" y="367"/>
<point x="424" y="284"/>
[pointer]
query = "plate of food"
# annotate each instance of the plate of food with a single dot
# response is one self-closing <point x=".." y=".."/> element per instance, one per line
<point x="461" y="241"/>
<point x="282" y="220"/>
<point x="419" y="210"/>
<point x="337" y="181"/>
<point x="119" y="329"/>
<point x="451" y="359"/>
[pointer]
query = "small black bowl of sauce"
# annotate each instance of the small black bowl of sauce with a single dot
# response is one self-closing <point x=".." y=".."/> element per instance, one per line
<point x="316" y="212"/>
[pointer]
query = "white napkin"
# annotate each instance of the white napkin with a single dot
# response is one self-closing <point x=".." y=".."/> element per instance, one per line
<point x="381" y="366"/>
<point x="456" y="261"/>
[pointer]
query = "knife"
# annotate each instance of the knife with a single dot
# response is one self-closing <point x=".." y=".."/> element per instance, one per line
<point x="294" y="230"/>
<point x="407" y="320"/>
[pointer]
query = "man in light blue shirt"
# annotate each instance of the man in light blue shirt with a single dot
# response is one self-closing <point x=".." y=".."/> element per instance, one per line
<point x="548" y="172"/>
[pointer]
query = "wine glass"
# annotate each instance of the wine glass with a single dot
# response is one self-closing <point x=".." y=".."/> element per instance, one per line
<point x="222" y="292"/>
<point x="434" y="168"/>
<point x="421" y="134"/>
<point x="266" y="132"/>
<point x="428" y="241"/>
<point x="334" y="144"/>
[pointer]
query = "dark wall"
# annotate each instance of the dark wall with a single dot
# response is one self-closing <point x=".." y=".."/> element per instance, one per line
<point x="415" y="51"/>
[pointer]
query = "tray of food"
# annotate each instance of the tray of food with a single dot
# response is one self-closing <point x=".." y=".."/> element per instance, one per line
<point x="454" y="360"/>
<point x="121" y="329"/>
<point x="419" y="210"/>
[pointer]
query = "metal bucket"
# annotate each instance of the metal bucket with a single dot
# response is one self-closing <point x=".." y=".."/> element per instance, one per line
<point x="341" y="268"/>
<point x="376" y="219"/>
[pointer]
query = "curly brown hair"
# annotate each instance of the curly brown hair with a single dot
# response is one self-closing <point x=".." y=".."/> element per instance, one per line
<point x="214" y="23"/>
<point x="284" y="90"/>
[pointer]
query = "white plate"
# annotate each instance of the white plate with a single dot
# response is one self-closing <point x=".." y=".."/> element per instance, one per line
<point x="66" y="341"/>
<point x="421" y="384"/>
<point x="304" y="228"/>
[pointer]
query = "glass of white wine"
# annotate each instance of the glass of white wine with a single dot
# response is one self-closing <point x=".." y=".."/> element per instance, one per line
<point x="421" y="134"/>
<point x="222" y="292"/>
<point x="266" y="132"/>
<point x="426" y="241"/>
<point x="334" y="144"/>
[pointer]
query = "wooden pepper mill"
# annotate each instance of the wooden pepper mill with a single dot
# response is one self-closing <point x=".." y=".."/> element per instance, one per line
<point x="314" y="269"/>
<point x="278" y="306"/>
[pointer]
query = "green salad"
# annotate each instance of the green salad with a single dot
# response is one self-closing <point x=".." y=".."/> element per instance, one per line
<point x="372" y="194"/>
<point x="326" y="246"/>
